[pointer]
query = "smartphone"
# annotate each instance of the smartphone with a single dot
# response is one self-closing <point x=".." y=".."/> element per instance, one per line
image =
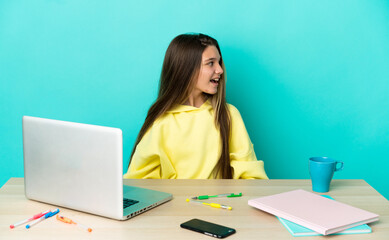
<point x="207" y="228"/>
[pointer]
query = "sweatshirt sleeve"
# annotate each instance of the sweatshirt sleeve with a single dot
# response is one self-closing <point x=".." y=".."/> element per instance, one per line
<point x="243" y="160"/>
<point x="145" y="163"/>
<point x="150" y="159"/>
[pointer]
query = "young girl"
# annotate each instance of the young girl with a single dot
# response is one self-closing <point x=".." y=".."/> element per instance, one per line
<point x="190" y="131"/>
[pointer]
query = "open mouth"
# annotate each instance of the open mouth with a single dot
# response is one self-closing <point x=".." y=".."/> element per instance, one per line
<point x="216" y="80"/>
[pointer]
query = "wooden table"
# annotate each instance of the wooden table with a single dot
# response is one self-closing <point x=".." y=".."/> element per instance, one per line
<point x="164" y="221"/>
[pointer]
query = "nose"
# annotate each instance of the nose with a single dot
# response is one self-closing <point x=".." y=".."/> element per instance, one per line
<point x="219" y="69"/>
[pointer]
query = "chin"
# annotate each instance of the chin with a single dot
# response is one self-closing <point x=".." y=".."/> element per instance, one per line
<point x="211" y="92"/>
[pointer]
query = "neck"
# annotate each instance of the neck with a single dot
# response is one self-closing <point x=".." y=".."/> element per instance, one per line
<point x="196" y="100"/>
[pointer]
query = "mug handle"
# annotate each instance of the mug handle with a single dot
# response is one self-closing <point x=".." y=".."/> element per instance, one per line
<point x="339" y="168"/>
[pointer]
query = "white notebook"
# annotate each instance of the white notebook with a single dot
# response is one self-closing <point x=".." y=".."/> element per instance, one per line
<point x="313" y="211"/>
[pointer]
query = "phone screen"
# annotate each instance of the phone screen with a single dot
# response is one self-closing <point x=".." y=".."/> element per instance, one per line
<point x="208" y="228"/>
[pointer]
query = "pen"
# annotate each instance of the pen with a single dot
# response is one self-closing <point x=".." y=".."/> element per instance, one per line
<point x="36" y="216"/>
<point x="229" y="195"/>
<point x="47" y="215"/>
<point x="215" y="205"/>
<point x="67" y="220"/>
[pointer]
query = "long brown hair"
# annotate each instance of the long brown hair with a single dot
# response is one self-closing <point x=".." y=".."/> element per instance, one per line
<point x="179" y="74"/>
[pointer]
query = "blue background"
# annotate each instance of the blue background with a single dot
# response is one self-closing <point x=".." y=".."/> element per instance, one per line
<point x="310" y="78"/>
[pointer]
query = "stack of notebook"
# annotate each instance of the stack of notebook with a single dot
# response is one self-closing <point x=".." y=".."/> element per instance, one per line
<point x="318" y="214"/>
<point x="300" y="231"/>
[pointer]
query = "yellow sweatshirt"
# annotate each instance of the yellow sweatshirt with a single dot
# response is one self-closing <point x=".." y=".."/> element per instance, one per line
<point x="185" y="144"/>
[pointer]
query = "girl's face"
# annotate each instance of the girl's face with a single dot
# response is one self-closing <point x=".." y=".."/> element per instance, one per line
<point x="210" y="72"/>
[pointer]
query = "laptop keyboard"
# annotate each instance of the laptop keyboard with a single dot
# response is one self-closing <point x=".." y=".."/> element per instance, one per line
<point x="128" y="202"/>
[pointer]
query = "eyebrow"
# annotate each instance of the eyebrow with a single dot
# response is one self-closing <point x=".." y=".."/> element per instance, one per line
<point x="210" y="59"/>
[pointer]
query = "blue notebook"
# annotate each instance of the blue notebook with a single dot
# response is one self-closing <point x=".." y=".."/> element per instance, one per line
<point x="299" y="231"/>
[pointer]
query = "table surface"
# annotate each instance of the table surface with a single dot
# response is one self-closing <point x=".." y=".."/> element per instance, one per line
<point x="164" y="221"/>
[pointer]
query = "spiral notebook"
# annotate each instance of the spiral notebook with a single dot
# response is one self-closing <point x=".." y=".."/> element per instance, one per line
<point x="322" y="215"/>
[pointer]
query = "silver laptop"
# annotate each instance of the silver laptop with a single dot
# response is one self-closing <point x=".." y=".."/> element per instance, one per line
<point x="80" y="166"/>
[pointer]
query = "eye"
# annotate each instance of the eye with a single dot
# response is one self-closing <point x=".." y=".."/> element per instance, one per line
<point x="210" y="63"/>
